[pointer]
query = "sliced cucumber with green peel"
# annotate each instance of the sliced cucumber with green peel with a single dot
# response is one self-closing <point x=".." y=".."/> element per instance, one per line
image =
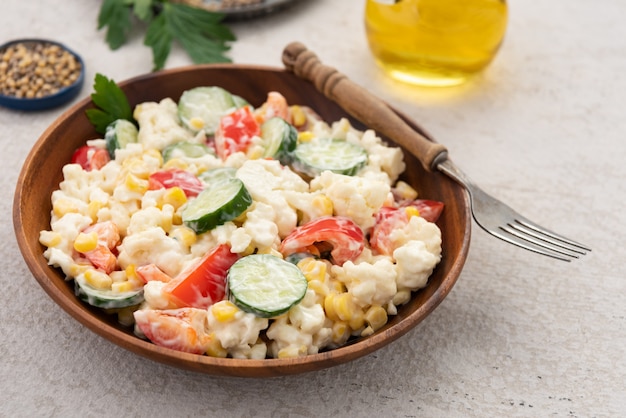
<point x="201" y="108"/>
<point x="186" y="149"/>
<point x="106" y="299"/>
<point x="216" y="175"/>
<point x="118" y="134"/>
<point x="217" y="204"/>
<point x="240" y="101"/>
<point x="318" y="155"/>
<point x="279" y="139"/>
<point x="265" y="285"/>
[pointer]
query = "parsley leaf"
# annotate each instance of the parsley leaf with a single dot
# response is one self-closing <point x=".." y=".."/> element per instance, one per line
<point x="116" y="15"/>
<point x="112" y="102"/>
<point x="200" y="32"/>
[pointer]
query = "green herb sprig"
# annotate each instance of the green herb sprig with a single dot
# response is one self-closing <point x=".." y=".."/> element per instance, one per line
<point x="200" y="32"/>
<point x="111" y="104"/>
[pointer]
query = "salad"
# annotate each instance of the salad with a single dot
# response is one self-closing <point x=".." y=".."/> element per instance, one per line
<point x="214" y="227"/>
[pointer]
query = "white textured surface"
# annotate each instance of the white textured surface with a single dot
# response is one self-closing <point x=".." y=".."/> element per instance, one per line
<point x="520" y="335"/>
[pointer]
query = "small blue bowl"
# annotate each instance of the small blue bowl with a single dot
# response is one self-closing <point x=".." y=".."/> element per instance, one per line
<point x="62" y="96"/>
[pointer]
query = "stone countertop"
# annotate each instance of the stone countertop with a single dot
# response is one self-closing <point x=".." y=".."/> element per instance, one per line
<point x="543" y="128"/>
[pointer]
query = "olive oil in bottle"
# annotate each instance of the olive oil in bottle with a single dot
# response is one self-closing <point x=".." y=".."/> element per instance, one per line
<point x="434" y="42"/>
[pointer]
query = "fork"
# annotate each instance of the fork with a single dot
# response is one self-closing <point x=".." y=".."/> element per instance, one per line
<point x="490" y="214"/>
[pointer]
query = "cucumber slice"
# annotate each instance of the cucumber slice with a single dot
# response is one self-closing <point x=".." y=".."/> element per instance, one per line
<point x="216" y="175"/>
<point x="338" y="156"/>
<point x="217" y="204"/>
<point x="202" y="107"/>
<point x="279" y="138"/>
<point x="265" y="285"/>
<point x="118" y="134"/>
<point x="106" y="299"/>
<point x="185" y="149"/>
<point x="240" y="101"/>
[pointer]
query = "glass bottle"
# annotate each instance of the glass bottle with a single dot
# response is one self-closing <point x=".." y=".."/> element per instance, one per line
<point x="434" y="42"/>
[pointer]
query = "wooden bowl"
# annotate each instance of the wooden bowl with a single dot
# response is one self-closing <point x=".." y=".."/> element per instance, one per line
<point x="41" y="175"/>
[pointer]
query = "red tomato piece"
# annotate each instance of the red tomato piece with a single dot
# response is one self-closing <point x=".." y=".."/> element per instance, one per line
<point x="390" y="218"/>
<point x="90" y="158"/>
<point x="342" y="234"/>
<point x="178" y="329"/>
<point x="204" y="283"/>
<point x="175" y="177"/>
<point x="102" y="256"/>
<point x="235" y="132"/>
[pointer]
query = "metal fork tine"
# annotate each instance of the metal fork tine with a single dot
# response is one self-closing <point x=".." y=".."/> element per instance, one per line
<point x="551" y="234"/>
<point x="525" y="228"/>
<point x="512" y="239"/>
<point x="540" y="243"/>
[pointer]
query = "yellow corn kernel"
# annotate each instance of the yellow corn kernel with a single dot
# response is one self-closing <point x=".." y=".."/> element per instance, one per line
<point x="196" y="123"/>
<point x="98" y="279"/>
<point x="186" y="236"/>
<point x="136" y="166"/>
<point x="336" y="286"/>
<point x="250" y="249"/>
<point x="255" y="153"/>
<point x="312" y="269"/>
<point x="49" y="238"/>
<point x="76" y="269"/>
<point x="86" y="242"/>
<point x="214" y="348"/>
<point x="176" y="163"/>
<point x="136" y="184"/>
<point x="131" y="272"/>
<point x="122" y="287"/>
<point x="118" y="276"/>
<point x="298" y="117"/>
<point x="174" y="196"/>
<point x="322" y="205"/>
<point x="405" y="191"/>
<point x="376" y="317"/>
<point x="62" y="207"/>
<point x="357" y="321"/>
<point x="224" y="311"/>
<point x="93" y="208"/>
<point x="154" y="153"/>
<point x="292" y="351"/>
<point x="305" y="136"/>
<point x="318" y="287"/>
<point x="401" y="297"/>
<point x="411" y="211"/>
<point x="340" y="332"/>
<point x="340" y="306"/>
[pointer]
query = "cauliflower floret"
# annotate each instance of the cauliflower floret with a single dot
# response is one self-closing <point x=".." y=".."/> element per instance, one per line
<point x="414" y="264"/>
<point x="301" y="331"/>
<point x="418" y="229"/>
<point x="353" y="197"/>
<point x="150" y="217"/>
<point x="159" y="124"/>
<point x="152" y="245"/>
<point x="381" y="157"/>
<point x="265" y="180"/>
<point x="154" y="298"/>
<point x="370" y="284"/>
<point x="260" y="225"/>
<point x="236" y="330"/>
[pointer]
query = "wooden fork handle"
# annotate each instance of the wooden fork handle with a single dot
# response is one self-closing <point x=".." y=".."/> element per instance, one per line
<point x="362" y="105"/>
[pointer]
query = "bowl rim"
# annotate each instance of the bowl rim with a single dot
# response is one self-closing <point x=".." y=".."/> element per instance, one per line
<point x="213" y="365"/>
<point x="63" y="95"/>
